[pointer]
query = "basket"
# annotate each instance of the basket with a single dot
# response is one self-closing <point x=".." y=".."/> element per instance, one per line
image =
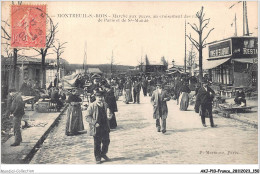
<point x="42" y="107"/>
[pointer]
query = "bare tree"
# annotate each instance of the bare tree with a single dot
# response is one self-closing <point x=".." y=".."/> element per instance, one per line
<point x="58" y="49"/>
<point x="7" y="37"/>
<point x="49" y="44"/>
<point x="192" y="58"/>
<point x="199" y="45"/>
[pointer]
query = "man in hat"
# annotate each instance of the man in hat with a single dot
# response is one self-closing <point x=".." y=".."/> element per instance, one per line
<point x="136" y="91"/>
<point x="144" y="85"/>
<point x="95" y="87"/>
<point x="204" y="100"/>
<point x="15" y="107"/>
<point x="55" y="98"/>
<point x="240" y="98"/>
<point x="160" y="109"/>
<point x="98" y="115"/>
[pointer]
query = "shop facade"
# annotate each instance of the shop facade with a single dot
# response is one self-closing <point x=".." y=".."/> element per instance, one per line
<point x="233" y="62"/>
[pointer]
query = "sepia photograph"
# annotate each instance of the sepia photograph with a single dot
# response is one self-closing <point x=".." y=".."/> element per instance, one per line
<point x="157" y="85"/>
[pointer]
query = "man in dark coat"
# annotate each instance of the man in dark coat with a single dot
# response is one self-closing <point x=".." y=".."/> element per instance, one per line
<point x="136" y="91"/>
<point x="204" y="100"/>
<point x="55" y="81"/>
<point x="24" y="88"/>
<point x="15" y="107"/>
<point x="240" y="98"/>
<point x="144" y="85"/>
<point x="160" y="109"/>
<point x="55" y="98"/>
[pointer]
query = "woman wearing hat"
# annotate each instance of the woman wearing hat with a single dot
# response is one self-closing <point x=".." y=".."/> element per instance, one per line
<point x="128" y="91"/>
<point x="184" y="96"/>
<point x="74" y="114"/>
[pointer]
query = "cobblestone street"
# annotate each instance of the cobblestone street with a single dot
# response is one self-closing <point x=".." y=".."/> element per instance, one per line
<point x="136" y="141"/>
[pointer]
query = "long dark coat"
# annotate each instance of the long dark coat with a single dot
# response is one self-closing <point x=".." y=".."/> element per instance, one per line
<point x="110" y="99"/>
<point x="155" y="100"/>
<point x="204" y="98"/>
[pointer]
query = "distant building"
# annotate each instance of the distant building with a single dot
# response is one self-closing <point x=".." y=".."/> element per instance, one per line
<point x="89" y="70"/>
<point x="153" y="67"/>
<point x="51" y="71"/>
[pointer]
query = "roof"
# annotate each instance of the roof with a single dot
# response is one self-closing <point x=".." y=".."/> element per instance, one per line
<point x="216" y="41"/>
<point x="54" y="61"/>
<point x="94" y="70"/>
<point x="209" y="64"/>
<point x="244" y="60"/>
<point x="23" y="60"/>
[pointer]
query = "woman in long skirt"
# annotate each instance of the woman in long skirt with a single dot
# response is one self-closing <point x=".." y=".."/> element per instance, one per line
<point x="184" y="97"/>
<point x="74" y="115"/>
<point x="128" y="91"/>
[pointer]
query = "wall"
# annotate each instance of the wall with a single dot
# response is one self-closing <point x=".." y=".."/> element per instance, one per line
<point x="241" y="79"/>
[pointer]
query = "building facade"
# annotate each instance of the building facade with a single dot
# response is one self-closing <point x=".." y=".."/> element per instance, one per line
<point x="233" y="61"/>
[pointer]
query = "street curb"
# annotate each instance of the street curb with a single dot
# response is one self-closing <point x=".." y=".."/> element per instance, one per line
<point x="30" y="155"/>
<point x="246" y="122"/>
<point x="230" y="116"/>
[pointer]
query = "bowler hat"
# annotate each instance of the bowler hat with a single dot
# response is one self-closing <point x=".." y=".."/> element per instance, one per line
<point x="99" y="93"/>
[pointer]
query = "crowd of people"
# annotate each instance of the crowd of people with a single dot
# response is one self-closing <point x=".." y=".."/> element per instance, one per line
<point x="102" y="95"/>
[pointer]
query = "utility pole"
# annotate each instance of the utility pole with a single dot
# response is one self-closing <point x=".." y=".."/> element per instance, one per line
<point x="235" y="24"/>
<point x="246" y="20"/>
<point x="243" y="18"/>
<point x="185" y="49"/>
<point x="142" y="60"/>
<point x="112" y="59"/>
<point x="85" y="68"/>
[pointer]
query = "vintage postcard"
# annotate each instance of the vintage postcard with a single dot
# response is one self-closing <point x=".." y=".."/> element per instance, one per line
<point x="138" y="83"/>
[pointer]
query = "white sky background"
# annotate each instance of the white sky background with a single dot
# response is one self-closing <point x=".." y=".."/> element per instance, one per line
<point x="157" y="38"/>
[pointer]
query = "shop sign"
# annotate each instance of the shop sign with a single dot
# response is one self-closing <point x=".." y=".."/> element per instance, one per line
<point x="244" y="47"/>
<point x="219" y="50"/>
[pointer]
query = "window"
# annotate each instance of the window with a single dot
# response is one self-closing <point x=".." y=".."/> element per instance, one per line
<point x="217" y="76"/>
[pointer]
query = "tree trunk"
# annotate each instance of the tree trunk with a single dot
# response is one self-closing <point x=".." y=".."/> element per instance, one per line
<point x="58" y="70"/>
<point x="200" y="62"/>
<point x="43" y="70"/>
<point x="14" y="68"/>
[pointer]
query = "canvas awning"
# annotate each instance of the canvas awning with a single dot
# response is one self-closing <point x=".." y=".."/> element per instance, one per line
<point x="209" y="64"/>
<point x="245" y="60"/>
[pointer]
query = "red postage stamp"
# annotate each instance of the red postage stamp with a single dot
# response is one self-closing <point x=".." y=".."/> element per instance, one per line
<point x="28" y="26"/>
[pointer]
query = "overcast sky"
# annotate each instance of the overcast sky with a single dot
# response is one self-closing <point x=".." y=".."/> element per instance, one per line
<point x="131" y="40"/>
